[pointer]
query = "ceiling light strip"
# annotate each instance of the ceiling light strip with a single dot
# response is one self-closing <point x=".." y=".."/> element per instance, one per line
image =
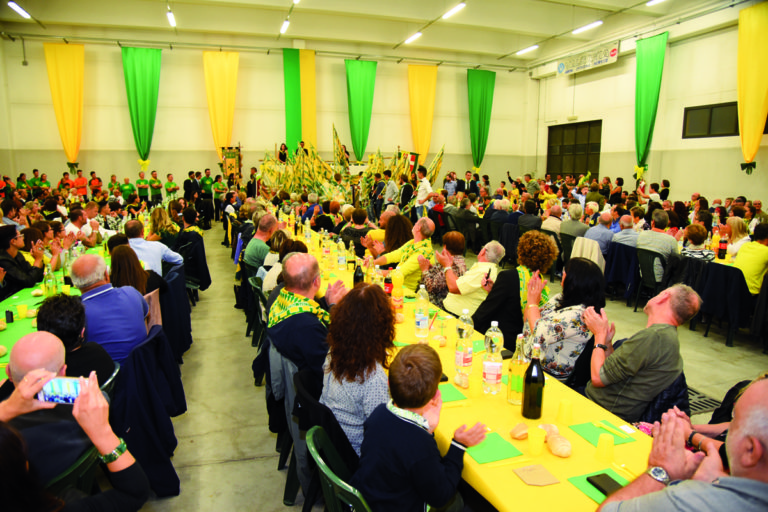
<point x="413" y="38"/>
<point x="453" y="11"/>
<point x="19" y="10"/>
<point x="529" y="49"/>
<point x="592" y="25"/>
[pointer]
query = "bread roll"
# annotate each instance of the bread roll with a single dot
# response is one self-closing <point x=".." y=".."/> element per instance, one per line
<point x="550" y="429"/>
<point x="559" y="446"/>
<point x="520" y="431"/>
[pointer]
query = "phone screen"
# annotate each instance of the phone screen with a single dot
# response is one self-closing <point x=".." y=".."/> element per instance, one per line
<point x="604" y="483"/>
<point x="60" y="390"/>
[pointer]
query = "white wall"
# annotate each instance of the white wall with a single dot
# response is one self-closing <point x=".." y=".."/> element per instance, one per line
<point x="697" y="71"/>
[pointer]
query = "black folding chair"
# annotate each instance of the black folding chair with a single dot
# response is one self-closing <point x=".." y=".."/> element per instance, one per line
<point x="646" y="259"/>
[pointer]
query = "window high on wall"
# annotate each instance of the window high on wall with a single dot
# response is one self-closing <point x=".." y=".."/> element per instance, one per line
<point x="574" y="148"/>
<point x="720" y="120"/>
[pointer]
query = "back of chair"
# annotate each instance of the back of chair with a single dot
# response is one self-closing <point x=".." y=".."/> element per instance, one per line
<point x="621" y="267"/>
<point x="589" y="249"/>
<point x="339" y="495"/>
<point x="582" y="368"/>
<point x="646" y="258"/>
<point x="509" y="240"/>
<point x="496" y="230"/>
<point x="676" y="394"/>
<point x="80" y="475"/>
<point x="566" y="242"/>
<point x="177" y="312"/>
<point x="109" y="386"/>
<point x="259" y="307"/>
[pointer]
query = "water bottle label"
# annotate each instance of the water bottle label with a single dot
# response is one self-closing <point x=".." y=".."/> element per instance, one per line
<point x="464" y="358"/>
<point x="422" y="321"/>
<point x="342" y="261"/>
<point x="492" y="372"/>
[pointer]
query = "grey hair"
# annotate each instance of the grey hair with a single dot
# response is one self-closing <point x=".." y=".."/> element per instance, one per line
<point x="685" y="302"/>
<point x="593" y="206"/>
<point x="660" y="218"/>
<point x="94" y="275"/>
<point x="494" y="252"/>
<point x="503" y="204"/>
<point x="394" y="209"/>
<point x="312" y="197"/>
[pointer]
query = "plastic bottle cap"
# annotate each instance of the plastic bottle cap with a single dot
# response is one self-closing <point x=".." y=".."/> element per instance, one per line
<point x="421" y="286"/>
<point x="465" y="311"/>
<point x="494" y="324"/>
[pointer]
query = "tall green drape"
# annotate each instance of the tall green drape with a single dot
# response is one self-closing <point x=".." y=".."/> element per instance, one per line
<point x="650" y="65"/>
<point x="480" y="85"/>
<point x="361" y="78"/>
<point x="141" y="67"/>
<point x="292" y="82"/>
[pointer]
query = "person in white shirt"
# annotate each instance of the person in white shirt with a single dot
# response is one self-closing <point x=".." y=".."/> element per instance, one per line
<point x="467" y="292"/>
<point x="424" y="192"/>
<point x="78" y="221"/>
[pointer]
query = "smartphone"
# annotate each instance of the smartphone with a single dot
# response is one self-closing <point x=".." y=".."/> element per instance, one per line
<point x="604" y="483"/>
<point x="60" y="390"/>
<point x="488" y="275"/>
<point x="444" y="378"/>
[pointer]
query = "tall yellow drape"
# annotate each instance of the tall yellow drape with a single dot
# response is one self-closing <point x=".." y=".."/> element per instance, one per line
<point x="752" y="77"/>
<point x="221" y="85"/>
<point x="66" y="64"/>
<point x="308" y="96"/>
<point x="422" y="81"/>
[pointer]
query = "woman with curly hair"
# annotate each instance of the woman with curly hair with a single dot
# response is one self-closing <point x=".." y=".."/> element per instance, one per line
<point x="558" y="326"/>
<point x="359" y="340"/>
<point x="535" y="252"/>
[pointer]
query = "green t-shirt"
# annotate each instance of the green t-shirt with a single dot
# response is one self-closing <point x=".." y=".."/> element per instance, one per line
<point x="20" y="185"/>
<point x="169" y="185"/>
<point x="33" y="182"/>
<point x="220" y="188"/>
<point x="127" y="189"/>
<point x="156" y="191"/>
<point x="112" y="185"/>
<point x="255" y="253"/>
<point x="143" y="192"/>
<point x="45" y="184"/>
<point x="205" y="183"/>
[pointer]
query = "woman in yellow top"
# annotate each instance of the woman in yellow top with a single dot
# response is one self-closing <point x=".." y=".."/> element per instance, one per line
<point x="31" y="237"/>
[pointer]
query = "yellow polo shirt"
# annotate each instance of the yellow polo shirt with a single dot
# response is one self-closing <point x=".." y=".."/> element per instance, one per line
<point x="752" y="260"/>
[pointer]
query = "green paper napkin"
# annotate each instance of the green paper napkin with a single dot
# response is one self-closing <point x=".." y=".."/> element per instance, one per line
<point x="409" y="299"/>
<point x="478" y="346"/>
<point x="580" y="482"/>
<point x="494" y="448"/>
<point x="450" y="393"/>
<point x="592" y="433"/>
<point x="401" y="344"/>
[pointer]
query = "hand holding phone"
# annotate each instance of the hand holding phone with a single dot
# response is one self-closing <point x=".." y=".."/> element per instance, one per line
<point x="60" y="390"/>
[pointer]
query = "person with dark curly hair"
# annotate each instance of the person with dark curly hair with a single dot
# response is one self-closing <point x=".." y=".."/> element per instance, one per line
<point x="535" y="252"/>
<point x="558" y="326"/>
<point x="359" y="339"/>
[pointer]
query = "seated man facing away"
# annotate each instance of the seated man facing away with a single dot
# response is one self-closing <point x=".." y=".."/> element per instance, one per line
<point x="657" y="240"/>
<point x="64" y="317"/>
<point x="627" y="235"/>
<point x="407" y="256"/>
<point x="257" y="248"/>
<point x="114" y="316"/>
<point x="752" y="259"/>
<point x="401" y="468"/>
<point x="17" y="272"/>
<point x="680" y="480"/>
<point x="574" y="226"/>
<point x="467" y="292"/>
<point x="624" y="381"/>
<point x="601" y="233"/>
<point x="153" y="254"/>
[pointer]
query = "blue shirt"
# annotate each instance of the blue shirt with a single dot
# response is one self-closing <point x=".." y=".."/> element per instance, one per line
<point x="602" y="235"/>
<point x="153" y="254"/>
<point x="114" y="318"/>
<point x="450" y="187"/>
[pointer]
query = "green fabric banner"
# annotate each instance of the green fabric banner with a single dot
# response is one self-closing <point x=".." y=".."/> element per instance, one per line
<point x="361" y="78"/>
<point x="480" y="85"/>
<point x="292" y="79"/>
<point x="650" y="65"/>
<point x="141" y="67"/>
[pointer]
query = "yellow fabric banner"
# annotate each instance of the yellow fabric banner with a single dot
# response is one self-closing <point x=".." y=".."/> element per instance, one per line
<point x="752" y="77"/>
<point x="422" y="81"/>
<point x="66" y="64"/>
<point x="308" y="96"/>
<point x="221" y="85"/>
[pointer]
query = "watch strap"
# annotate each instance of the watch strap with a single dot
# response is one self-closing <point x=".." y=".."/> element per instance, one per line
<point x="114" y="454"/>
<point x="600" y="345"/>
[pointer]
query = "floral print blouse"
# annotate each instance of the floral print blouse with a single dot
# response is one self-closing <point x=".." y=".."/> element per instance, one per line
<point x="434" y="280"/>
<point x="562" y="335"/>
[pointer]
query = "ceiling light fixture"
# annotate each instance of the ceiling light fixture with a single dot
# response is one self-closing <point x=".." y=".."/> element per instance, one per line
<point x="413" y="38"/>
<point x="284" y="28"/>
<point x="653" y="2"/>
<point x="453" y="11"/>
<point x="592" y="25"/>
<point x="529" y="49"/>
<point x="21" y="12"/>
<point x="171" y="18"/>
<point x="296" y="1"/>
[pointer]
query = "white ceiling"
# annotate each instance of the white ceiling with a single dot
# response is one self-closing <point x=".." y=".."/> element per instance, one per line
<point x="485" y="32"/>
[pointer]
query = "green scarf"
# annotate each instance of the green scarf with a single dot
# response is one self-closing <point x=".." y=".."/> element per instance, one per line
<point x="424" y="248"/>
<point x="289" y="304"/>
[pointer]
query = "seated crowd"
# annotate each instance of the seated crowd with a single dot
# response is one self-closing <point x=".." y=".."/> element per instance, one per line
<point x="389" y="408"/>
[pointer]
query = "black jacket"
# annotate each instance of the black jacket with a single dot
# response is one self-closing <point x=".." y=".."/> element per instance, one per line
<point x="503" y="305"/>
<point x="19" y="274"/>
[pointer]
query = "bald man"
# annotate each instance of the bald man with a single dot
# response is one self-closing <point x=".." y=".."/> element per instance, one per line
<point x="114" y="316"/>
<point x="407" y="256"/>
<point x="601" y="233"/>
<point x="627" y="235"/>
<point x="54" y="439"/>
<point x="700" y="482"/>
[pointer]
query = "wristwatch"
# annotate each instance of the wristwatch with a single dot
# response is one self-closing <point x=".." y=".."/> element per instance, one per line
<point x="114" y="454"/>
<point x="600" y="345"/>
<point x="659" y="474"/>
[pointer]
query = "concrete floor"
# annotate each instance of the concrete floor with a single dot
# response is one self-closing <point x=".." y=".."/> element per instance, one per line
<point x="226" y="456"/>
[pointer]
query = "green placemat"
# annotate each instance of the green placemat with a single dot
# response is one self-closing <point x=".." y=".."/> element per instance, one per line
<point x="493" y="448"/>
<point x="478" y="346"/>
<point x="401" y="344"/>
<point x="409" y="299"/>
<point x="450" y="393"/>
<point x="580" y="482"/>
<point x="592" y="433"/>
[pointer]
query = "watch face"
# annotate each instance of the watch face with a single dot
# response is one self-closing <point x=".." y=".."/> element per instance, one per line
<point x="659" y="474"/>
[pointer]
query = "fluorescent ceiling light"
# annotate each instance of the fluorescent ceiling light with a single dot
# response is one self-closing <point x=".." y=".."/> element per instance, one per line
<point x="653" y="2"/>
<point x="453" y="11"/>
<point x="592" y="25"/>
<point x="19" y="10"/>
<point x="529" y="49"/>
<point x="284" y="28"/>
<point x="171" y="18"/>
<point x="296" y="1"/>
<point x="413" y="38"/>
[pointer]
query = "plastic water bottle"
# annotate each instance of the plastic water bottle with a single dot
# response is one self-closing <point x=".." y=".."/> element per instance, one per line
<point x="342" y="254"/>
<point x="307" y="232"/>
<point x="517" y="367"/>
<point x="422" y="314"/>
<point x="494" y="341"/>
<point x="464" y="329"/>
<point x="351" y="257"/>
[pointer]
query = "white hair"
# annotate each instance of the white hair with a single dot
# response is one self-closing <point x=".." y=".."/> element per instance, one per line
<point x="394" y="209"/>
<point x="593" y="206"/>
<point x="494" y="252"/>
<point x="312" y="197"/>
<point x="94" y="274"/>
<point x="503" y="204"/>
